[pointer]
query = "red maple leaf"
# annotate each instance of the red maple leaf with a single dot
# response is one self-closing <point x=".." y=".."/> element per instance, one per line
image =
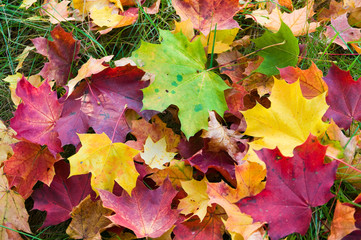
<point x="63" y="194"/>
<point x="343" y="97"/>
<point x="61" y="54"/>
<point x="211" y="228"/>
<point x="36" y="116"/>
<point x="104" y="99"/>
<point x="294" y="185"/>
<point x="147" y="212"/>
<point x="29" y="164"/>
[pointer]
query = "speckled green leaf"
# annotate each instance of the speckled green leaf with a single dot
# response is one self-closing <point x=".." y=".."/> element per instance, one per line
<point x="279" y="56"/>
<point x="181" y="79"/>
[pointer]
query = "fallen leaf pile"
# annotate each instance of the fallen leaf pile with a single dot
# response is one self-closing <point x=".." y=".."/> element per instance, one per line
<point x="249" y="153"/>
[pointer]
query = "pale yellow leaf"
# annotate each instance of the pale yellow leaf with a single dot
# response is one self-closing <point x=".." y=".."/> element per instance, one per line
<point x="27" y="3"/>
<point x="297" y="20"/>
<point x="155" y="154"/>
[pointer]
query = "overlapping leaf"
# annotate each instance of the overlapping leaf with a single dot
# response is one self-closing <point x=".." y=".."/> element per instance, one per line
<point x="107" y="161"/>
<point x="29" y="164"/>
<point x="62" y="195"/>
<point x="282" y="55"/>
<point x="147" y="212"/>
<point x="343" y="97"/>
<point x="289" y="120"/>
<point x="206" y="14"/>
<point x="294" y="184"/>
<point x="61" y="52"/>
<point x="35" y="118"/>
<point x="181" y="79"/>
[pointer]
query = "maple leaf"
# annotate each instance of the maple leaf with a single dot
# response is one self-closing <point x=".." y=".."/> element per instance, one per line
<point x="88" y="219"/>
<point x="181" y="80"/>
<point x="157" y="129"/>
<point x="155" y="154"/>
<point x="92" y="66"/>
<point x="343" y="222"/>
<point x="113" y="88"/>
<point x="249" y="175"/>
<point x="102" y="104"/>
<point x="29" y="164"/>
<point x="71" y="122"/>
<point x="310" y="79"/>
<point x="35" y="118"/>
<point x="241" y="225"/>
<point x="107" y="15"/>
<point x="197" y="200"/>
<point x="297" y="20"/>
<point x="220" y="161"/>
<point x="176" y="172"/>
<point x="62" y="53"/>
<point x="205" y="14"/>
<point x="279" y="56"/>
<point x="107" y="161"/>
<point x="110" y="17"/>
<point x="13" y="213"/>
<point x="145" y="218"/>
<point x="62" y="195"/>
<point x="235" y="71"/>
<point x="13" y="80"/>
<point x="282" y="124"/>
<point x="343" y="97"/>
<point x="294" y="185"/>
<point x="345" y="33"/>
<point x="225" y="196"/>
<point x="211" y="227"/>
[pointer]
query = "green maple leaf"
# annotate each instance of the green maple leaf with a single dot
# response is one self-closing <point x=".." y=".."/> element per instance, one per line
<point x="278" y="56"/>
<point x="181" y="79"/>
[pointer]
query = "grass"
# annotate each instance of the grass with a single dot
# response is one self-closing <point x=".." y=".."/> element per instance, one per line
<point x="16" y="30"/>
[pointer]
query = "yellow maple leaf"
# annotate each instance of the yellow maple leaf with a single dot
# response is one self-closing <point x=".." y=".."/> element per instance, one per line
<point x="197" y="200"/>
<point x="106" y="16"/>
<point x="106" y="161"/>
<point x="176" y="172"/>
<point x="155" y="154"/>
<point x="237" y="222"/>
<point x="289" y="121"/>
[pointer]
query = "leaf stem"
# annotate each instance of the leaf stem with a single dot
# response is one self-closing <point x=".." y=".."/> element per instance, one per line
<point x="249" y="54"/>
<point x="116" y="125"/>
<point x="343" y="162"/>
